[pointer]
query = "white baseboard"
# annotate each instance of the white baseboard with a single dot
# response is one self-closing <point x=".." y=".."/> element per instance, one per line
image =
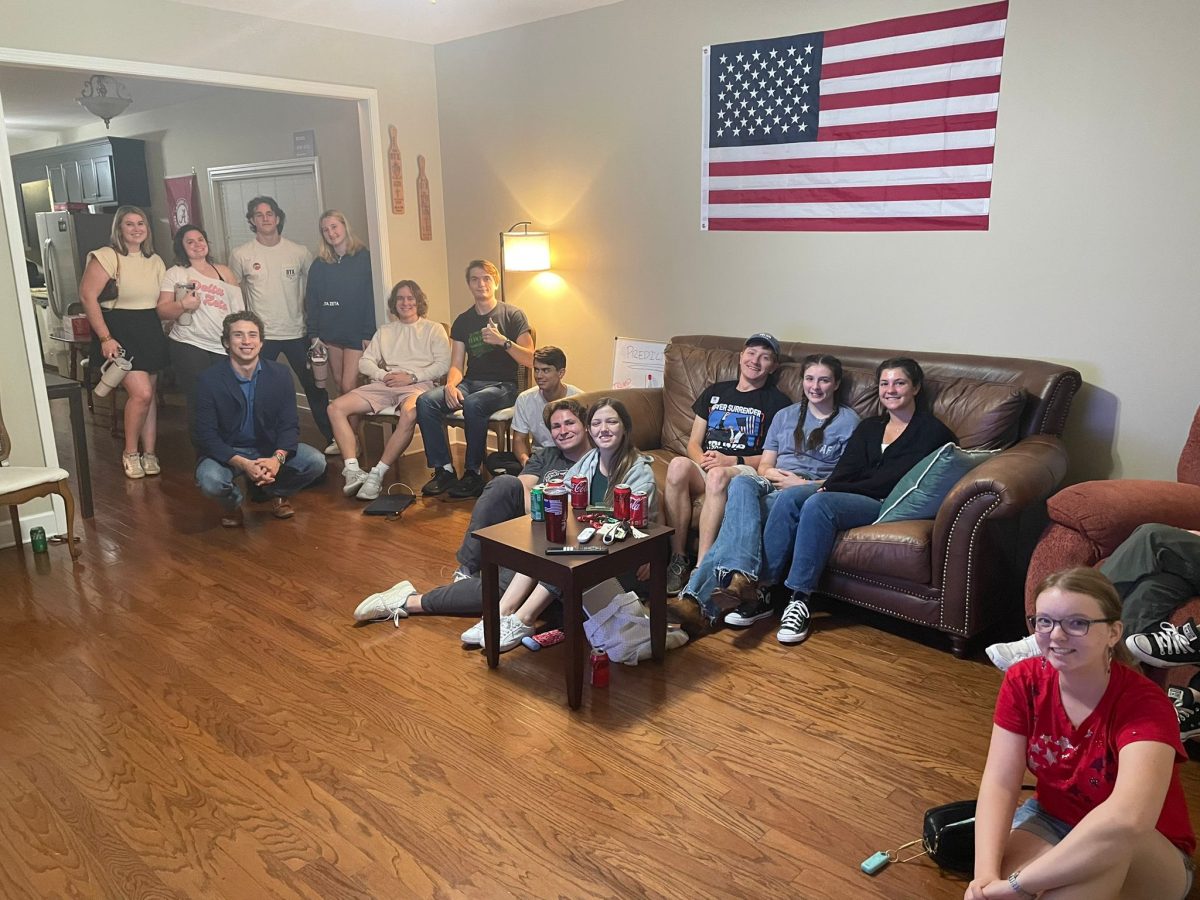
<point x="47" y="519"/>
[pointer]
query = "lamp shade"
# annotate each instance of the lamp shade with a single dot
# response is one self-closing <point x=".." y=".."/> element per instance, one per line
<point x="526" y="251"/>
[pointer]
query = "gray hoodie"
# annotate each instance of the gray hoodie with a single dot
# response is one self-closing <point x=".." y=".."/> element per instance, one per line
<point x="640" y="477"/>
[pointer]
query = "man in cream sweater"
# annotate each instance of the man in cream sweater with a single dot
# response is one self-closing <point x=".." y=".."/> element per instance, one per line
<point x="403" y="360"/>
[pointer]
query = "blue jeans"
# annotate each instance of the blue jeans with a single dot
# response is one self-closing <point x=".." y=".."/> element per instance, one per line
<point x="739" y="544"/>
<point x="222" y="482"/>
<point x="480" y="400"/>
<point x="803" y="526"/>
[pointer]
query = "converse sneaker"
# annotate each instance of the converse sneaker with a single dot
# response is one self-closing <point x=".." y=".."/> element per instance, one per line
<point x="387" y="604"/>
<point x="1169" y="646"/>
<point x="474" y="634"/>
<point x="372" y="486"/>
<point x="1187" y="710"/>
<point x="150" y="464"/>
<point x="678" y="571"/>
<point x="443" y="479"/>
<point x="1005" y="655"/>
<point x="133" y="465"/>
<point x="793" y="627"/>
<point x="752" y="611"/>
<point x="354" y="481"/>
<point x="512" y="630"/>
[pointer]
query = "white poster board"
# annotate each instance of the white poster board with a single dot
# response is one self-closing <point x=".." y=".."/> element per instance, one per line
<point x="638" y="363"/>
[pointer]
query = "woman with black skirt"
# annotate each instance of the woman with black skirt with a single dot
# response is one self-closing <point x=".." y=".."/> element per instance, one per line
<point x="126" y="321"/>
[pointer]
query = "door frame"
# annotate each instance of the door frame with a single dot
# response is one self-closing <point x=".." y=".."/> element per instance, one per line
<point x="374" y="180"/>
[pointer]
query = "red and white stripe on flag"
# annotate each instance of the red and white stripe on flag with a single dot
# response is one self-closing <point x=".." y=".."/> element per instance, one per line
<point x="905" y="133"/>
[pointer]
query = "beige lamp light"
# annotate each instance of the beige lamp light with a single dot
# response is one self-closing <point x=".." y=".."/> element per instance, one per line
<point x="524" y="250"/>
<point x="104" y="97"/>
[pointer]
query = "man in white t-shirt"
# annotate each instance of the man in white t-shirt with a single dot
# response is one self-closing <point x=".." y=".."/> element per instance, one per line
<point x="529" y="431"/>
<point x="272" y="271"/>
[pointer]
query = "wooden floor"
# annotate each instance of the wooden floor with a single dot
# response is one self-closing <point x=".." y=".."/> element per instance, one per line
<point x="191" y="712"/>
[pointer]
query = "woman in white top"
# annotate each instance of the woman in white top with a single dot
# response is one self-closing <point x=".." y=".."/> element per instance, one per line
<point x="196" y="295"/>
<point x="127" y="325"/>
<point x="402" y="360"/>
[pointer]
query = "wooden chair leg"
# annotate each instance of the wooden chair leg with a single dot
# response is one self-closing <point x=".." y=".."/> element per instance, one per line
<point x="69" y="502"/>
<point x="16" y="524"/>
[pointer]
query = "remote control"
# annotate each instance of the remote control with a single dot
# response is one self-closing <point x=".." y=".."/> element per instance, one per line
<point x="586" y="535"/>
<point x="576" y="551"/>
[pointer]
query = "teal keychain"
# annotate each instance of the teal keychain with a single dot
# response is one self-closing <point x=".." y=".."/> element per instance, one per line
<point x="877" y="862"/>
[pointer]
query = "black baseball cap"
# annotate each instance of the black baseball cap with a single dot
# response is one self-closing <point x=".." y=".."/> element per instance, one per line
<point x="764" y="339"/>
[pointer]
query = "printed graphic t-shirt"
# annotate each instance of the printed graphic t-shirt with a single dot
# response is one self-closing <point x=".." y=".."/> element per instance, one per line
<point x="738" y="420"/>
<point x="488" y="362"/>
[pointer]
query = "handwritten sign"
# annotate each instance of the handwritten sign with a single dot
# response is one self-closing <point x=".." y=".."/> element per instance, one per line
<point x="638" y="363"/>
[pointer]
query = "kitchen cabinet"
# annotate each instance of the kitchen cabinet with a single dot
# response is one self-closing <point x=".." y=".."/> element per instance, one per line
<point x="103" y="172"/>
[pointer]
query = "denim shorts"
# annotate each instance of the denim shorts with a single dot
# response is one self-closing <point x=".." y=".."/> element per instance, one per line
<point x="1032" y="818"/>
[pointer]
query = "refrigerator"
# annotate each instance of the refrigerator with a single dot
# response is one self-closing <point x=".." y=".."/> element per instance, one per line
<point x="65" y="239"/>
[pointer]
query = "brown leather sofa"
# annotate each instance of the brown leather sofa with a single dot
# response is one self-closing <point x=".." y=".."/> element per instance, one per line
<point x="959" y="573"/>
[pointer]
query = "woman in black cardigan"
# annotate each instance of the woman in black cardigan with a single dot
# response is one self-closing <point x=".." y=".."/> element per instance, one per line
<point x="802" y="527"/>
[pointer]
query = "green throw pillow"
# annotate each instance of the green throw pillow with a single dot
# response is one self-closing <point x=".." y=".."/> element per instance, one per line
<point x="920" y="493"/>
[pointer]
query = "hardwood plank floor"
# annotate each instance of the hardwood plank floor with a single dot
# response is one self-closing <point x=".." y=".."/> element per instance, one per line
<point x="192" y="713"/>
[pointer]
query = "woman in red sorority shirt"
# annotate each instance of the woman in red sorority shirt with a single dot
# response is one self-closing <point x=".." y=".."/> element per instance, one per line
<point x="1109" y="818"/>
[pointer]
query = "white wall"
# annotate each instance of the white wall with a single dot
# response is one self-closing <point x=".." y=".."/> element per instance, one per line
<point x="592" y="125"/>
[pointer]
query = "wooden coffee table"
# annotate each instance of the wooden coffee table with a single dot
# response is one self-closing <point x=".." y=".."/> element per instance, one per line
<point x="520" y="545"/>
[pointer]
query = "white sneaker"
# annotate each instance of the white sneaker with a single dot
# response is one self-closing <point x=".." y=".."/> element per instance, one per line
<point x="354" y="481"/>
<point x="1005" y="655"/>
<point x="387" y="604"/>
<point x="474" y="634"/>
<point x="332" y="449"/>
<point x="372" y="486"/>
<point x="512" y="630"/>
<point x="460" y="575"/>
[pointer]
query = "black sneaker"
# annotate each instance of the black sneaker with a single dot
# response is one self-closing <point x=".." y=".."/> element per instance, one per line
<point x="1187" y="710"/>
<point x="793" y="627"/>
<point x="752" y="611"/>
<point x="1168" y="646"/>
<point x="470" y="485"/>
<point x="443" y="479"/>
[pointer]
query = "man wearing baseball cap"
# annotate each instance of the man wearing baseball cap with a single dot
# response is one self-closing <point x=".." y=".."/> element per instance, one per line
<point x="727" y="436"/>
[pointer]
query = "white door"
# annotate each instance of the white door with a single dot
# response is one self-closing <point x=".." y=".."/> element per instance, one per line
<point x="294" y="183"/>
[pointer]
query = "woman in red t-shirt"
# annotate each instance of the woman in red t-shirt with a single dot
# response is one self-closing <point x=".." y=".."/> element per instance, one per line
<point x="1109" y="817"/>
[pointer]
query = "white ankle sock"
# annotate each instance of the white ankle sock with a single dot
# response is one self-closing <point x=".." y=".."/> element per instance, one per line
<point x="351" y="465"/>
<point x="380" y="469"/>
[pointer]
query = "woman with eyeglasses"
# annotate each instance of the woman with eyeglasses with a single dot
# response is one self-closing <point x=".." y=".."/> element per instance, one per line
<point x="1109" y="818"/>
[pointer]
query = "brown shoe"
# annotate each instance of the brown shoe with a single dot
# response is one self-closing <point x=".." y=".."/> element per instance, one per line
<point x="234" y="518"/>
<point x="686" y="611"/>
<point x="741" y="589"/>
<point x="281" y="508"/>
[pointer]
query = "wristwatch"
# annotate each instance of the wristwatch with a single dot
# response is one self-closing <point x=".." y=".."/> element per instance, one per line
<point x="741" y="460"/>
<point x="280" y="457"/>
<point x="507" y="343"/>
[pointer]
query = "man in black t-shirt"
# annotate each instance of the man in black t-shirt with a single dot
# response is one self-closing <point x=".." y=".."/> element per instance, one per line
<point x="727" y="438"/>
<point x="488" y="342"/>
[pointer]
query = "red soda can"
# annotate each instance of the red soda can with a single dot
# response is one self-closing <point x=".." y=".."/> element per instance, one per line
<point x="599" y="669"/>
<point x="621" y="502"/>
<point x="555" y="504"/>
<point x="639" y="501"/>
<point x="579" y="492"/>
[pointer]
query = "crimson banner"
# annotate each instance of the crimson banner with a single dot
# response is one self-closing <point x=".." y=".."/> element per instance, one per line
<point x="183" y="201"/>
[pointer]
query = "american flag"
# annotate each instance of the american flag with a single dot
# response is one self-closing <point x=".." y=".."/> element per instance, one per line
<point x="889" y="126"/>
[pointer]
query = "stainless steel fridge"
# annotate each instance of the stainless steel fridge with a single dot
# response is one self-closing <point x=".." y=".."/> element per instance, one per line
<point x="65" y="239"/>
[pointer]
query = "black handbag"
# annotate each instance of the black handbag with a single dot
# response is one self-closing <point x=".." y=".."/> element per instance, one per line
<point x="948" y="836"/>
<point x="112" y="288"/>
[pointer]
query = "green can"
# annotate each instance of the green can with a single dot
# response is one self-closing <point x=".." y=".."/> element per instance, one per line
<point x="37" y="540"/>
<point x="537" y="503"/>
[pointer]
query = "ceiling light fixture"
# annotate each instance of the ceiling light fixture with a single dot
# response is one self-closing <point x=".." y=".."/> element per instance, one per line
<point x="104" y="97"/>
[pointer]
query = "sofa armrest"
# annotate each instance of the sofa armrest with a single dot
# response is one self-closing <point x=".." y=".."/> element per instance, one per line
<point x="645" y="407"/>
<point x="1000" y="488"/>
<point x="1107" y="512"/>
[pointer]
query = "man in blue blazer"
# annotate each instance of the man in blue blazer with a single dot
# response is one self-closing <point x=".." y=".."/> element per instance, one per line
<point x="245" y="424"/>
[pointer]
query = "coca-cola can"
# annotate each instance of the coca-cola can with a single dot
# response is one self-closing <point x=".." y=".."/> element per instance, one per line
<point x="579" y="492"/>
<point x="555" y="504"/>
<point x="599" y="667"/>
<point x="621" y="502"/>
<point x="639" y="502"/>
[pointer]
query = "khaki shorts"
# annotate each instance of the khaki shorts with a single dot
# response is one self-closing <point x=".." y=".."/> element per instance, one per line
<point x="381" y="397"/>
<point x="741" y="469"/>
